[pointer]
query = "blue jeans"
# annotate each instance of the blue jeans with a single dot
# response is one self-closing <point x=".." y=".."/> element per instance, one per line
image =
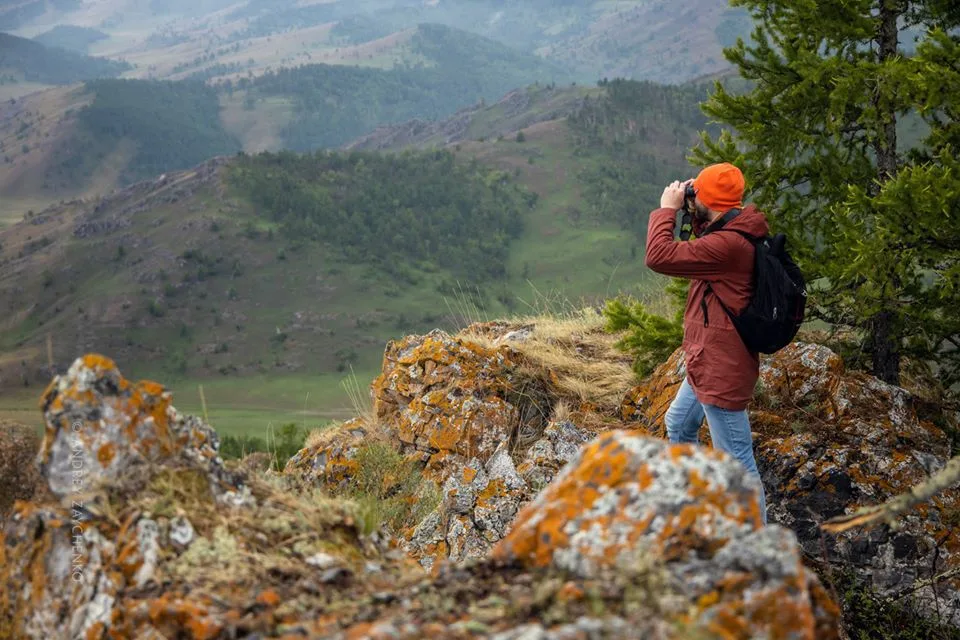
<point x="730" y="431"/>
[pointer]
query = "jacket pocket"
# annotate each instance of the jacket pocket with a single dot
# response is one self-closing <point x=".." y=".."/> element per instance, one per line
<point x="693" y="357"/>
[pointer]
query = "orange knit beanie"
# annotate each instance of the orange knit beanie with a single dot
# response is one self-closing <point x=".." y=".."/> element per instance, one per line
<point x="720" y="187"/>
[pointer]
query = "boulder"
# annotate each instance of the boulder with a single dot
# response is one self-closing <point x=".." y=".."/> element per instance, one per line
<point x="99" y="427"/>
<point x="627" y="499"/>
<point x="448" y="398"/>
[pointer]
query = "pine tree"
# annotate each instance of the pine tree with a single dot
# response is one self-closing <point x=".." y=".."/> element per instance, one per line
<point x="820" y="136"/>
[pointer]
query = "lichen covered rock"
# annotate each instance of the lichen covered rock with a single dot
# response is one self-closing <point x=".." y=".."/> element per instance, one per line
<point x="153" y="550"/>
<point x="100" y="426"/>
<point x="625" y="491"/>
<point x="693" y="510"/>
<point x="832" y="441"/>
<point x="479" y="504"/>
<point x="447" y="397"/>
<point x="330" y="460"/>
<point x="829" y="441"/>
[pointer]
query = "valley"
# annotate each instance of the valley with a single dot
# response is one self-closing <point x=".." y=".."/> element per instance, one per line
<point x="121" y="232"/>
<point x="186" y="277"/>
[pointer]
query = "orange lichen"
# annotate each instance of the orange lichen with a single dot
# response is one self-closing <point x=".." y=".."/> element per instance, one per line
<point x="269" y="598"/>
<point x="570" y="591"/>
<point x="106" y="453"/>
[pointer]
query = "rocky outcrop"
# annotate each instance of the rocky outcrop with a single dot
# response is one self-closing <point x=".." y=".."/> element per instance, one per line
<point x="472" y="411"/>
<point x="151" y="549"/>
<point x="693" y="513"/>
<point x="100" y="426"/>
<point x="155" y="538"/>
<point x="448" y="399"/>
<point x="829" y="441"/>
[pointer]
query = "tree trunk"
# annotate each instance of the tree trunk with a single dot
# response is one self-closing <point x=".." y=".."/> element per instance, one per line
<point x="885" y="335"/>
<point x="888" y="41"/>
<point x="885" y="347"/>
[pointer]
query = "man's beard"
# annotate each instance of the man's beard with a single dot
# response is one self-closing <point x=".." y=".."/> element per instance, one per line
<point x="700" y="212"/>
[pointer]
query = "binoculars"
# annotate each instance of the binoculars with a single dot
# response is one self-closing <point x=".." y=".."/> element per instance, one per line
<point x="686" y="221"/>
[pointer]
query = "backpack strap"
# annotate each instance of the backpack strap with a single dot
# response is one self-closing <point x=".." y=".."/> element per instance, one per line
<point x="703" y="305"/>
<point x="722" y="222"/>
<point x="752" y="239"/>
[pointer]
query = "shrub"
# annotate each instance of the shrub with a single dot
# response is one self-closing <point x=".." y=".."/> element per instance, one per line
<point x="650" y="338"/>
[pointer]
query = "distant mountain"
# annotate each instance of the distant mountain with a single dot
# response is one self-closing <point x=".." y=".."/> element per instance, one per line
<point x="14" y="15"/>
<point x="31" y="61"/>
<point x="70" y="37"/>
<point x="224" y="39"/>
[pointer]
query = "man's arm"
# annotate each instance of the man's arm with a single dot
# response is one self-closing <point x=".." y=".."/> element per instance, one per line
<point x="707" y="258"/>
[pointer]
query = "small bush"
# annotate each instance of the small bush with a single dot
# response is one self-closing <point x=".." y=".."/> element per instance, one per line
<point x="648" y="337"/>
<point x="390" y="490"/>
<point x="281" y="444"/>
<point x="868" y="616"/>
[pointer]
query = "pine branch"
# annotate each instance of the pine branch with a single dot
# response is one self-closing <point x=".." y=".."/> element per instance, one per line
<point x="889" y="511"/>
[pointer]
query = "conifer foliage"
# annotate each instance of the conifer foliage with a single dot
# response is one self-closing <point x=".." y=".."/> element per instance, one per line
<point x="873" y="222"/>
<point x="646" y="335"/>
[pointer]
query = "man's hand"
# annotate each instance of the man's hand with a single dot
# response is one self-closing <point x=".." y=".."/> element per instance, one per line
<point x="672" y="197"/>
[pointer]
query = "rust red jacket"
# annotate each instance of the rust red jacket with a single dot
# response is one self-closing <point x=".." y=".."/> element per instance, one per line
<point x="720" y="369"/>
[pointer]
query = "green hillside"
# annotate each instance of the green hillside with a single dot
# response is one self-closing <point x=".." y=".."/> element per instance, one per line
<point x="448" y="69"/>
<point x="71" y="37"/>
<point x="129" y="130"/>
<point x="172" y="125"/>
<point x="29" y="61"/>
<point x="301" y="268"/>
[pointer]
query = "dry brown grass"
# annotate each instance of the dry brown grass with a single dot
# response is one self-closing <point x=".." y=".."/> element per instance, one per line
<point x="572" y="351"/>
<point x="19" y="477"/>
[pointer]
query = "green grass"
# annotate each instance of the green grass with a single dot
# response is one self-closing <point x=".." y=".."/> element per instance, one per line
<point x="22" y="405"/>
<point x="255" y="406"/>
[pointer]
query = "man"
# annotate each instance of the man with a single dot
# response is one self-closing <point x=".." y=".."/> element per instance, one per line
<point x="721" y="371"/>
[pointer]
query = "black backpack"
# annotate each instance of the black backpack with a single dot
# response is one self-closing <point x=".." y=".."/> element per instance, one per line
<point x="776" y="310"/>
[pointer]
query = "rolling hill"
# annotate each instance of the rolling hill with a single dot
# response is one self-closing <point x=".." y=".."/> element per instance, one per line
<point x="68" y="143"/>
<point x="244" y="266"/>
<point x="33" y="62"/>
<point x="72" y="38"/>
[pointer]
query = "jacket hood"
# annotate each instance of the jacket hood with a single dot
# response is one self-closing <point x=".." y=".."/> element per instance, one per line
<point x="751" y="221"/>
